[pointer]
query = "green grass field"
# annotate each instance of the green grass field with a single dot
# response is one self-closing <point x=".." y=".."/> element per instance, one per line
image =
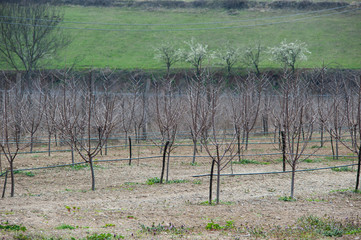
<point x="334" y="39"/>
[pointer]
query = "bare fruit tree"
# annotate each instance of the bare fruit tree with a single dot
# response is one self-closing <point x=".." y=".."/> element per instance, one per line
<point x="296" y="118"/>
<point x="12" y="137"/>
<point x="94" y="116"/>
<point x="198" y="114"/>
<point x="32" y="111"/>
<point x="167" y="113"/>
<point x="220" y="149"/>
<point x="353" y="116"/>
<point x="245" y="106"/>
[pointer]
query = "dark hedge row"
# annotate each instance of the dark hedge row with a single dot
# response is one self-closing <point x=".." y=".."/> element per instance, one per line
<point x="227" y="4"/>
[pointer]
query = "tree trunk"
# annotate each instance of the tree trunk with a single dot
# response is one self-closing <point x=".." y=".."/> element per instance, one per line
<point x="72" y="154"/>
<point x="6" y="179"/>
<point x="194" y="151"/>
<point x="106" y="147"/>
<point x="31" y="142"/>
<point x="92" y="172"/>
<point x="163" y="164"/>
<point x="321" y="128"/>
<point x="239" y="147"/>
<point x="130" y="151"/>
<point x="218" y="179"/>
<point x="293" y="180"/>
<point x="332" y="148"/>
<point x="49" y="144"/>
<point x="168" y="160"/>
<point x="211" y="183"/>
<point x="247" y="137"/>
<point x="12" y="178"/>
<point x="283" y="150"/>
<point x="358" y="169"/>
<point x="265" y="124"/>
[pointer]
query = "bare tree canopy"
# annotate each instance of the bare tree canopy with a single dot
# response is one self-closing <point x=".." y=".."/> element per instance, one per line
<point x="28" y="34"/>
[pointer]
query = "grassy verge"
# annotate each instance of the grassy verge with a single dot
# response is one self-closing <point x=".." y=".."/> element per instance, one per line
<point x="332" y="39"/>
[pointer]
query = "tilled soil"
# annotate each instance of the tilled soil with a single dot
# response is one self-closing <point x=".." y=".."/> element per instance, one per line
<point x="123" y="202"/>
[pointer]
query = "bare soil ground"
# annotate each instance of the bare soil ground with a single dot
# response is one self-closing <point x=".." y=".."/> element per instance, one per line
<point x="123" y="202"/>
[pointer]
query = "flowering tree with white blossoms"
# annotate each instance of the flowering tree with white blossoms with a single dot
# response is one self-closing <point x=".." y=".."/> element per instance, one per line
<point x="167" y="54"/>
<point x="288" y="53"/>
<point x="197" y="54"/>
<point x="252" y="56"/>
<point x="229" y="56"/>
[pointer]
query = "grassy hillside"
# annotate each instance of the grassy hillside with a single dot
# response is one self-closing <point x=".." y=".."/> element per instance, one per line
<point x="334" y="39"/>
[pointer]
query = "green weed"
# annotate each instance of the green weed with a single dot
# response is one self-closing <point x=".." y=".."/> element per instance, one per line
<point x="197" y="182"/>
<point x="72" y="209"/>
<point x="151" y="181"/>
<point x="351" y="190"/>
<point x="342" y="169"/>
<point x="248" y="161"/>
<point x="12" y="227"/>
<point x="104" y="236"/>
<point x="108" y="225"/>
<point x="65" y="226"/>
<point x="206" y="203"/>
<point x="315" y="200"/>
<point x="287" y="199"/>
<point x="29" y="174"/>
<point x="328" y="227"/>
<point x="156" y="229"/>
<point x="215" y="226"/>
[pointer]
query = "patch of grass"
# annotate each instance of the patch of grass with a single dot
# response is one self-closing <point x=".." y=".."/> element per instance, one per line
<point x="308" y="227"/>
<point x="248" y="161"/>
<point x="307" y="160"/>
<point x="130" y="183"/>
<point x="151" y="181"/>
<point x="177" y="181"/>
<point x="65" y="226"/>
<point x="215" y="226"/>
<point x="256" y="231"/>
<point x="328" y="227"/>
<point x="351" y="190"/>
<point x="107" y="225"/>
<point x="104" y="236"/>
<point x="287" y="199"/>
<point x="197" y="182"/>
<point x="193" y="164"/>
<point x="315" y="200"/>
<point x="130" y="217"/>
<point x="77" y="167"/>
<point x="156" y="229"/>
<point x="339" y="159"/>
<point x="29" y="174"/>
<point x="342" y="169"/>
<point x="12" y="227"/>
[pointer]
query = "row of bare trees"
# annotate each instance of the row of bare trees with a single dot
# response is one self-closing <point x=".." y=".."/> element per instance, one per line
<point x="84" y="111"/>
